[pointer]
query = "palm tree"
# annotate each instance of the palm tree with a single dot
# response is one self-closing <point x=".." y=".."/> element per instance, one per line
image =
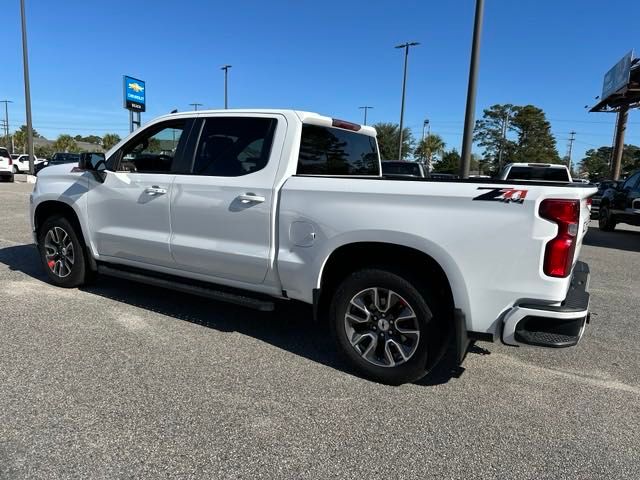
<point x="431" y="146"/>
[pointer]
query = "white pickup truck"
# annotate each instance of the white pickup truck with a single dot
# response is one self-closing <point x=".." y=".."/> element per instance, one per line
<point x="260" y="206"/>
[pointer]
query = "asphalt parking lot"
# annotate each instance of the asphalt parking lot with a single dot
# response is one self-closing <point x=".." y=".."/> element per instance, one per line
<point x="120" y="380"/>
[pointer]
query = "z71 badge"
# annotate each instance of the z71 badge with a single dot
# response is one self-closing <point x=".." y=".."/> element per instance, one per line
<point x="505" y="195"/>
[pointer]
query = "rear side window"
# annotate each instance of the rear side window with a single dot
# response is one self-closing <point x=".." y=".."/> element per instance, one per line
<point x="4" y="153"/>
<point x="234" y="146"/>
<point x="538" y="173"/>
<point x="333" y="151"/>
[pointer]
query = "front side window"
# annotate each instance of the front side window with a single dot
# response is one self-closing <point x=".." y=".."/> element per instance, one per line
<point x="333" y="151"/>
<point x="234" y="146"/>
<point x="154" y="150"/>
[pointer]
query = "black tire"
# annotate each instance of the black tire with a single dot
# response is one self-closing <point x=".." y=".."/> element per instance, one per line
<point x="79" y="272"/>
<point x="16" y="169"/>
<point x="606" y="221"/>
<point x="427" y="313"/>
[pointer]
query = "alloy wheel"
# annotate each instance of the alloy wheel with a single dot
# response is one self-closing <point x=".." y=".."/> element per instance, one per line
<point x="382" y="327"/>
<point x="59" y="252"/>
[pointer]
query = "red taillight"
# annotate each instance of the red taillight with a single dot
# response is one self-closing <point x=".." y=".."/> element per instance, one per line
<point x="346" y="125"/>
<point x="558" y="255"/>
<point x="10" y="161"/>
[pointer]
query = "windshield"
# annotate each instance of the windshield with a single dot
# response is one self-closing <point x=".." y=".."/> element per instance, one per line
<point x="538" y="173"/>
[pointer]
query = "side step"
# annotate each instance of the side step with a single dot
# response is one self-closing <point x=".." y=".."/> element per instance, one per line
<point x="222" y="294"/>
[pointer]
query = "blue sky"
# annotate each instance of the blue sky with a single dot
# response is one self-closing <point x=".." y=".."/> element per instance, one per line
<point x="324" y="56"/>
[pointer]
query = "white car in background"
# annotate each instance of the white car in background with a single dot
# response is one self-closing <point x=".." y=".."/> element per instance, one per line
<point x="21" y="163"/>
<point x="6" y="165"/>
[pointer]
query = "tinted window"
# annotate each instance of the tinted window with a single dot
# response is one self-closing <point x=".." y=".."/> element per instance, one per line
<point x="401" y="168"/>
<point x="631" y="182"/>
<point x="59" y="158"/>
<point x="538" y="173"/>
<point x="4" y="153"/>
<point x="234" y="146"/>
<point x="332" y="151"/>
<point x="154" y="150"/>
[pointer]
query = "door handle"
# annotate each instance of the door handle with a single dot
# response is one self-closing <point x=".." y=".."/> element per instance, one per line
<point x="155" y="190"/>
<point x="251" y="198"/>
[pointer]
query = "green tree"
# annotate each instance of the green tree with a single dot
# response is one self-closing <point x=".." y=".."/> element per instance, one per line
<point x="428" y="148"/>
<point x="109" y="140"/>
<point x="450" y="163"/>
<point x="535" y="141"/>
<point x="65" y="143"/>
<point x="596" y="162"/>
<point x="43" y="151"/>
<point x="489" y="131"/>
<point x="20" y="138"/>
<point x="389" y="140"/>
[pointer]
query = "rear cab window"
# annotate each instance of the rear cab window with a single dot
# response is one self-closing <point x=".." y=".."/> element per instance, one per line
<point x="335" y="151"/>
<point x="539" y="173"/>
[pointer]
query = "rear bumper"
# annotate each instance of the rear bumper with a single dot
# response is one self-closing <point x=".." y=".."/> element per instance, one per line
<point x="554" y="326"/>
<point x="6" y="173"/>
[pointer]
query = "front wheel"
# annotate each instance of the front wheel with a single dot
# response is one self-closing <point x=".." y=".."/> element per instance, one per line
<point x="606" y="222"/>
<point x="382" y="324"/>
<point x="62" y="253"/>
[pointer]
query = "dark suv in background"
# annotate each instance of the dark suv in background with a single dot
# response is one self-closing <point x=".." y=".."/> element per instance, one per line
<point x="621" y="203"/>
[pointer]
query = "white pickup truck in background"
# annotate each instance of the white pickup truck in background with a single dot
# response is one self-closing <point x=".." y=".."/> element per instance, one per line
<point x="541" y="172"/>
<point x="254" y="206"/>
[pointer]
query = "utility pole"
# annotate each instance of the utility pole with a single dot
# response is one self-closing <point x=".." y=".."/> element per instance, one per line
<point x="572" y="138"/>
<point x="195" y="106"/>
<point x="618" y="148"/>
<point x="27" y="88"/>
<point x="365" y="108"/>
<point x="503" y="139"/>
<point x="226" y="72"/>
<point x="469" y="118"/>
<point x="404" y="88"/>
<point x="6" y="124"/>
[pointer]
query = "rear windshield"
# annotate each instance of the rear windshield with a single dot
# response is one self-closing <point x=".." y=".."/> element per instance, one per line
<point x="538" y="173"/>
<point x="333" y="151"/>
<point x="401" y="168"/>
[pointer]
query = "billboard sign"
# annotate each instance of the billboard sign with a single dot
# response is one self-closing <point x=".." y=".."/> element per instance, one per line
<point x="135" y="94"/>
<point x="617" y="77"/>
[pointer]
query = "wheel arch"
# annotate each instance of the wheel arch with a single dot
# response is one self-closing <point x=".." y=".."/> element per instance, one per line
<point x="354" y="256"/>
<point x="49" y="208"/>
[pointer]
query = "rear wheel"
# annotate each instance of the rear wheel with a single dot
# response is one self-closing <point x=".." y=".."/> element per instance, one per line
<point x="384" y="324"/>
<point x="606" y="221"/>
<point x="62" y="253"/>
<point x="16" y="169"/>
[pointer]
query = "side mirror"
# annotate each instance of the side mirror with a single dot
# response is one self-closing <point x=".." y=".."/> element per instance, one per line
<point x="92" y="161"/>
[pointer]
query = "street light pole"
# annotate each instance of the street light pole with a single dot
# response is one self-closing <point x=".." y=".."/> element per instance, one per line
<point x="404" y="88"/>
<point x="27" y="88"/>
<point x="469" y="118"/>
<point x="365" y="108"/>
<point x="226" y="72"/>
<point x="195" y="106"/>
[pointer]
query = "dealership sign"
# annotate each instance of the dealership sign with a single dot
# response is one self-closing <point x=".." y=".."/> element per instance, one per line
<point x="135" y="94"/>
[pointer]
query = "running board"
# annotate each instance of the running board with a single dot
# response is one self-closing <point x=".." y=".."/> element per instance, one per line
<point x="201" y="290"/>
